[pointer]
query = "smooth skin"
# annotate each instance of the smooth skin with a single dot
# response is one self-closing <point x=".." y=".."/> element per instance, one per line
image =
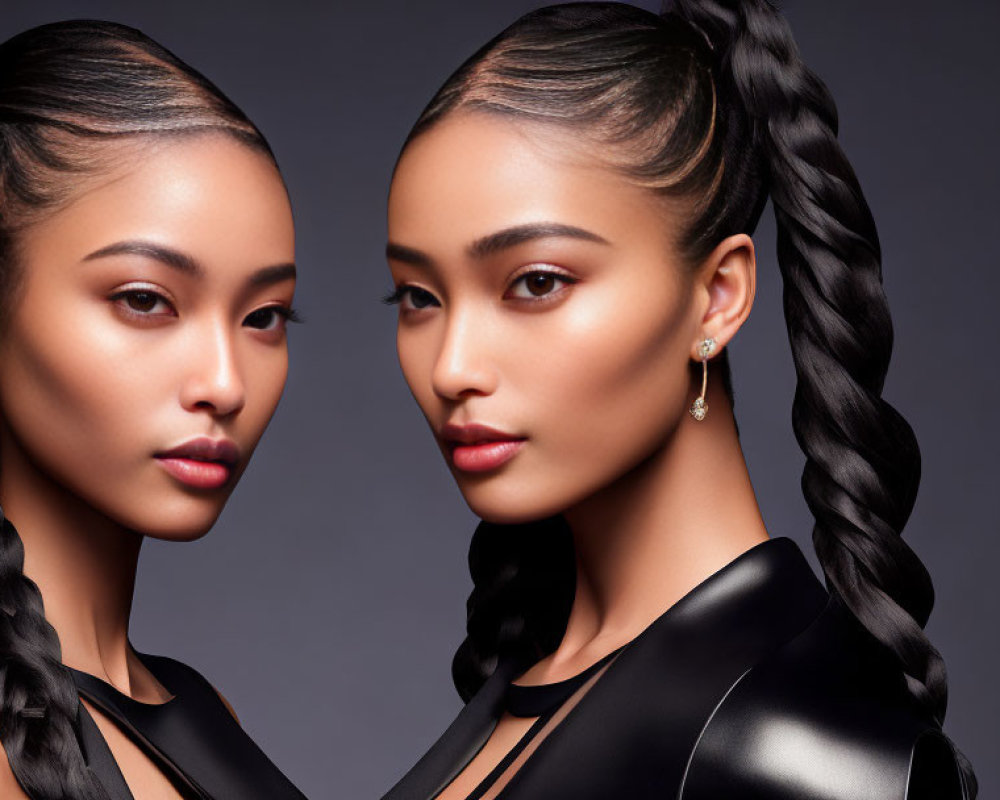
<point x="543" y="294"/>
<point x="151" y="311"/>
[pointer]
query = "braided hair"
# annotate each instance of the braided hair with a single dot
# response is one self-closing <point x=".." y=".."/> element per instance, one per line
<point x="71" y="94"/>
<point x="711" y="103"/>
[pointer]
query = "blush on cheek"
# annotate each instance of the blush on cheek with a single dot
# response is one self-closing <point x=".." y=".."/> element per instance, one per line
<point x="36" y="371"/>
<point x="68" y="409"/>
<point x="49" y="399"/>
<point x="630" y="350"/>
<point x="612" y="398"/>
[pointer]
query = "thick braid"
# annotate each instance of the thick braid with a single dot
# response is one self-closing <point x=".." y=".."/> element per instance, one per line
<point x="38" y="699"/>
<point x="523" y="580"/>
<point x="863" y="465"/>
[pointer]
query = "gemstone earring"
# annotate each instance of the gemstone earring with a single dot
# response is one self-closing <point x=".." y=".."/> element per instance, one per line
<point x="699" y="408"/>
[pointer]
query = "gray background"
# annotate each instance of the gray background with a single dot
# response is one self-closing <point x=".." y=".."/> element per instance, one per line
<point x="328" y="600"/>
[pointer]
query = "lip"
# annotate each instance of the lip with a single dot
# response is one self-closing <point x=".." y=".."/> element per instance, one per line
<point x="479" y="448"/>
<point x="201" y="463"/>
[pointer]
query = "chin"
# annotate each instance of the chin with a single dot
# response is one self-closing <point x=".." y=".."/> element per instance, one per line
<point x="177" y="534"/>
<point x="510" y="507"/>
<point x="178" y="524"/>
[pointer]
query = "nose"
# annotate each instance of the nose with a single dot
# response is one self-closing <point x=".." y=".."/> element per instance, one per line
<point x="464" y="367"/>
<point x="214" y="381"/>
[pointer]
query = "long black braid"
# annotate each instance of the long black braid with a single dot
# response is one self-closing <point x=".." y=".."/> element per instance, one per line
<point x="71" y="95"/>
<point x="711" y="102"/>
<point x="38" y="699"/>
<point x="523" y="580"/>
<point x="862" y="466"/>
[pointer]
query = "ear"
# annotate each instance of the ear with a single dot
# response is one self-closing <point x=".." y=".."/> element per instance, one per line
<point x="727" y="281"/>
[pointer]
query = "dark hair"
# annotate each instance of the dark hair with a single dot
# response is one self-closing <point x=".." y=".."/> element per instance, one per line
<point x="71" y="93"/>
<point x="710" y="103"/>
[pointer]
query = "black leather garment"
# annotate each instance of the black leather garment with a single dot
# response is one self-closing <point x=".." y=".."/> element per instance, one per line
<point x="756" y="685"/>
<point x="192" y="738"/>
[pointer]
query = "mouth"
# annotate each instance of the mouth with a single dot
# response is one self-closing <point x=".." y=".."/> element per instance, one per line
<point x="479" y="448"/>
<point x="201" y="463"/>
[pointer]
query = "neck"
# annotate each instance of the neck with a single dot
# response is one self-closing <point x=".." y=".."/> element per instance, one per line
<point x="647" y="540"/>
<point x="83" y="563"/>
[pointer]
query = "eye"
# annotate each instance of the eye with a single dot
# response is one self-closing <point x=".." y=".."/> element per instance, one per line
<point x="411" y="298"/>
<point x="143" y="303"/>
<point x="270" y="318"/>
<point x="538" y="284"/>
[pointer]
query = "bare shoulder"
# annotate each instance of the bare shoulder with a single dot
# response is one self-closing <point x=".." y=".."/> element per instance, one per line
<point x="10" y="789"/>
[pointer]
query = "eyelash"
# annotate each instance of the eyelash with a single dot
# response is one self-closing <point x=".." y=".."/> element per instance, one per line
<point x="559" y="275"/>
<point x="287" y="314"/>
<point x="121" y="298"/>
<point x="401" y="292"/>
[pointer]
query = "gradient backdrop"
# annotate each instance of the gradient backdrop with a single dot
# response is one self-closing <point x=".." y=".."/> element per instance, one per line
<point x="327" y="602"/>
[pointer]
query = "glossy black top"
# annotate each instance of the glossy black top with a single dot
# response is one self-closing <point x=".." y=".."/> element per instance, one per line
<point x="192" y="737"/>
<point x="536" y="700"/>
<point x="756" y="685"/>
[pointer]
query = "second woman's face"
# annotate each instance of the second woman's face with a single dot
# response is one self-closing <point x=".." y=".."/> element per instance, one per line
<point x="545" y="323"/>
<point x="146" y="348"/>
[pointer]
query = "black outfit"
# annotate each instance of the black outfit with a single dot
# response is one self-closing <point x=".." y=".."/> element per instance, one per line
<point x="193" y="738"/>
<point x="757" y="685"/>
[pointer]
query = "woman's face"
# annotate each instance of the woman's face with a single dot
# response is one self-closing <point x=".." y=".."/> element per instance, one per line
<point x="546" y="321"/>
<point x="146" y="350"/>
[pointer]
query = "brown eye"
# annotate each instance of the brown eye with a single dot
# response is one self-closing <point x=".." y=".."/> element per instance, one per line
<point x="540" y="283"/>
<point x="141" y="301"/>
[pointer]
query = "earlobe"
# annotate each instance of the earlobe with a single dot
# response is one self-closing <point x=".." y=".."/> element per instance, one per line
<point x="729" y="276"/>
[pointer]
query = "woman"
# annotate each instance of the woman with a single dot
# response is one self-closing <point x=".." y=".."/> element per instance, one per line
<point x="146" y="277"/>
<point x="569" y="231"/>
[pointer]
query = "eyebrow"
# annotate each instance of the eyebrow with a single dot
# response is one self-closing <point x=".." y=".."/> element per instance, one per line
<point x="165" y="255"/>
<point x="184" y="263"/>
<point x="275" y="274"/>
<point x="519" y="234"/>
<point x="499" y="241"/>
<point x="408" y="255"/>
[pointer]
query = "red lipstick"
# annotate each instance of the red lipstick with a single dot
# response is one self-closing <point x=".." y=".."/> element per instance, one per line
<point x="201" y="463"/>
<point x="479" y="448"/>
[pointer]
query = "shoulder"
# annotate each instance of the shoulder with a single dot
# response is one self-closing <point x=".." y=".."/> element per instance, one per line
<point x="827" y="715"/>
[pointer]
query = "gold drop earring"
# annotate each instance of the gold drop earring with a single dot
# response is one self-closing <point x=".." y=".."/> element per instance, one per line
<point x="699" y="408"/>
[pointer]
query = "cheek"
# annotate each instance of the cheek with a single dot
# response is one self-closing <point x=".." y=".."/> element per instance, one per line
<point x="599" y="391"/>
<point x="416" y="348"/>
<point x="634" y="368"/>
<point x="74" y="377"/>
<point x="619" y="371"/>
<point x="266" y="373"/>
<point x="71" y="360"/>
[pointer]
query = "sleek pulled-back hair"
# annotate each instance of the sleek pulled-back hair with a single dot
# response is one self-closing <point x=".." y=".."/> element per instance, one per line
<point x="711" y="104"/>
<point x="72" y="96"/>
